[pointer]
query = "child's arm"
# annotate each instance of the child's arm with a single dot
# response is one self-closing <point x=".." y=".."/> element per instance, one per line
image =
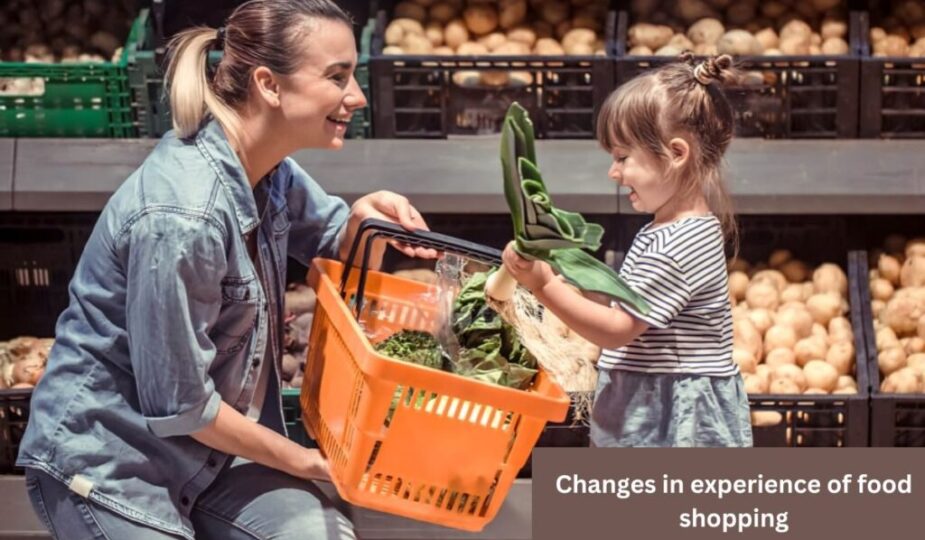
<point x="605" y="326"/>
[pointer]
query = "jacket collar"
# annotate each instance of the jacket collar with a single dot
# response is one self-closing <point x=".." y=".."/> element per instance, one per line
<point x="213" y="144"/>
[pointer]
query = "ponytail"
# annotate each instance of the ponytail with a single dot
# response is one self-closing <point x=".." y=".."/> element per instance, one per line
<point x="191" y="93"/>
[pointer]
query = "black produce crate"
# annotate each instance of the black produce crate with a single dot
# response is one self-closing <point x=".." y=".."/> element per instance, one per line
<point x="788" y="97"/>
<point x="417" y="96"/>
<point x="14" y="415"/>
<point x="816" y="420"/>
<point x="892" y="93"/>
<point x="38" y="255"/>
<point x="895" y="419"/>
<point x="573" y="432"/>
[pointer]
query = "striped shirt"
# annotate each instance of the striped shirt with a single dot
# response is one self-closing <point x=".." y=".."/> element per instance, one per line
<point x="680" y="270"/>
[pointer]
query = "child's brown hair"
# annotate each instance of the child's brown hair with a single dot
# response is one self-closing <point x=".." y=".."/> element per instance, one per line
<point x="681" y="99"/>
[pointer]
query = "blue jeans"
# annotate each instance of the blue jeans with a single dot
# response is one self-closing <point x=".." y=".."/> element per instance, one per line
<point x="247" y="501"/>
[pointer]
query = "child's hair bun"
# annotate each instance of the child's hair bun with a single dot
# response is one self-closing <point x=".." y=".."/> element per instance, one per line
<point x="714" y="68"/>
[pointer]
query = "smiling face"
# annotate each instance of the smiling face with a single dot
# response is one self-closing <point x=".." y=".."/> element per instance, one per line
<point x="318" y="99"/>
<point x="643" y="176"/>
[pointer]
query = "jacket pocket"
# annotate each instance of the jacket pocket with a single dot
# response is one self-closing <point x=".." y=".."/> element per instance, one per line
<point x="237" y="319"/>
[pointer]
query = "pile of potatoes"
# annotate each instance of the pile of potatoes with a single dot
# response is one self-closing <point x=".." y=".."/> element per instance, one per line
<point x="897" y="289"/>
<point x="902" y="33"/>
<point x="22" y="361"/>
<point x="790" y="332"/>
<point x="739" y="28"/>
<point x="498" y="27"/>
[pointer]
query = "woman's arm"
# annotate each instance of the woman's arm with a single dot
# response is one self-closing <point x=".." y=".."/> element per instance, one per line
<point x="234" y="434"/>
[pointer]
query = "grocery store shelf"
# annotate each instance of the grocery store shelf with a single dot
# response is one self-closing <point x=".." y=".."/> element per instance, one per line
<point x="7" y="157"/>
<point x="19" y="522"/>
<point x="463" y="175"/>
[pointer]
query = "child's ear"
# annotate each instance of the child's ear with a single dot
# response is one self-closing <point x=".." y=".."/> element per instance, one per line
<point x="680" y="151"/>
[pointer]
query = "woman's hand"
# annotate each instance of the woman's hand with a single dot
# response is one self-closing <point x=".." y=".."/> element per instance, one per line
<point x="533" y="275"/>
<point x="391" y="207"/>
<point x="313" y="466"/>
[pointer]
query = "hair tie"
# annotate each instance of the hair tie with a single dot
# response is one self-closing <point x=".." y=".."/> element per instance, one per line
<point x="702" y="75"/>
<point x="220" y="38"/>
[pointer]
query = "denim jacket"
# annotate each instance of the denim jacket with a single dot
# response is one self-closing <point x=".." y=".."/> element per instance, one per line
<point x="169" y="316"/>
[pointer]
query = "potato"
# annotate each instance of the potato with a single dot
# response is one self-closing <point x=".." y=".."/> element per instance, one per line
<point x="892" y="45"/>
<point x="468" y="79"/>
<point x="768" y="39"/>
<point x="755" y="384"/>
<point x="494" y="78"/>
<point x="706" y="49"/>
<point x="443" y="50"/>
<point x="819" y="331"/>
<point x="762" y="295"/>
<point x="821" y="375"/>
<point x="832" y="28"/>
<point x="740" y="13"/>
<point x="493" y="40"/>
<point x="841" y="356"/>
<point x="706" y="32"/>
<point x="578" y="36"/>
<point x="512" y="13"/>
<point x="834" y="46"/>
<point x="738" y="284"/>
<point x="416" y="44"/>
<point x="885" y="338"/>
<point x="845" y="381"/>
<point x="471" y="48"/>
<point x="915" y="248"/>
<point x="746" y="337"/>
<point x="902" y="314"/>
<point x="809" y="349"/>
<point x="434" y="33"/>
<point x="410" y="10"/>
<point x="443" y="13"/>
<point x="912" y="273"/>
<point x="830" y="278"/>
<point x="795" y="45"/>
<point x="840" y="329"/>
<point x="889" y="269"/>
<point x="780" y="356"/>
<point x="902" y="381"/>
<point x="792" y="293"/>
<point x="392" y="50"/>
<point x="691" y="10"/>
<point x="881" y="289"/>
<point x="548" y="47"/>
<point x="650" y="35"/>
<point x="28" y="369"/>
<point x="762" y="319"/>
<point x="795" y="271"/>
<point x="789" y="372"/>
<point x="784" y="386"/>
<point x="522" y="35"/>
<point x="876" y="307"/>
<point x="738" y="265"/>
<point x="681" y="42"/>
<point x="481" y="18"/>
<point x="779" y="336"/>
<point x="920" y="327"/>
<point x="796" y="317"/>
<point x="394" y="33"/>
<point x="917" y="362"/>
<point x="913" y="345"/>
<point x="877" y="34"/>
<point x="739" y="43"/>
<point x="764" y="372"/>
<point x="455" y="34"/>
<point x="554" y="11"/>
<point x="745" y="360"/>
<point x="778" y="257"/>
<point x="824" y="307"/>
<point x="891" y="359"/>
<point x="642" y="50"/>
<point x="774" y="277"/>
<point x="796" y="27"/>
<point x="766" y="418"/>
<point x="512" y="48"/>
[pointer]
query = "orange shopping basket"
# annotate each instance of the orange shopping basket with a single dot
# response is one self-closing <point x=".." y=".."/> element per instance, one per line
<point x="450" y="450"/>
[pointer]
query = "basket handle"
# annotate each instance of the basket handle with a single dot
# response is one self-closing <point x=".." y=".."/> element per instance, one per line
<point x="378" y="228"/>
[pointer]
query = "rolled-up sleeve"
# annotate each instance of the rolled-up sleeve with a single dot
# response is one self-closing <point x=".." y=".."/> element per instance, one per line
<point x="175" y="266"/>
<point x="317" y="218"/>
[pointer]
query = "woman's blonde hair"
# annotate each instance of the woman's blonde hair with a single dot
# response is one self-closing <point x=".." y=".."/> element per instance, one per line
<point x="680" y="99"/>
<point x="258" y="33"/>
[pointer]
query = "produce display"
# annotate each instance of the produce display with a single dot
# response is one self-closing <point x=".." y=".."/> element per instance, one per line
<point x="23" y="361"/>
<point x="739" y="28"/>
<point x="902" y="32"/>
<point x="791" y="333"/>
<point x="897" y="289"/>
<point x="498" y="27"/>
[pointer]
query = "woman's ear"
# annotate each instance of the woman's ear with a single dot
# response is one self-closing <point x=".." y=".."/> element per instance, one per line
<point x="680" y="152"/>
<point x="266" y="86"/>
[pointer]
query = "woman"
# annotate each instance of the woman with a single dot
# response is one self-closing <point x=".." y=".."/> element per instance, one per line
<point x="159" y="415"/>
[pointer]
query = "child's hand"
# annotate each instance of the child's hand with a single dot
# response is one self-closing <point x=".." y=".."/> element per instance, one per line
<point x="533" y="275"/>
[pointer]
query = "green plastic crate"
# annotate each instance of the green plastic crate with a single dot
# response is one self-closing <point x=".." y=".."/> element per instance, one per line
<point x="292" y="415"/>
<point x="79" y="100"/>
<point x="152" y="107"/>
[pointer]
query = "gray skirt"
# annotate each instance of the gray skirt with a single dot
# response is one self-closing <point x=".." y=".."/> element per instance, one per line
<point x="637" y="409"/>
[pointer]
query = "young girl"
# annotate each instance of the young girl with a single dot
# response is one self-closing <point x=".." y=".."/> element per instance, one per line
<point x="666" y="377"/>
